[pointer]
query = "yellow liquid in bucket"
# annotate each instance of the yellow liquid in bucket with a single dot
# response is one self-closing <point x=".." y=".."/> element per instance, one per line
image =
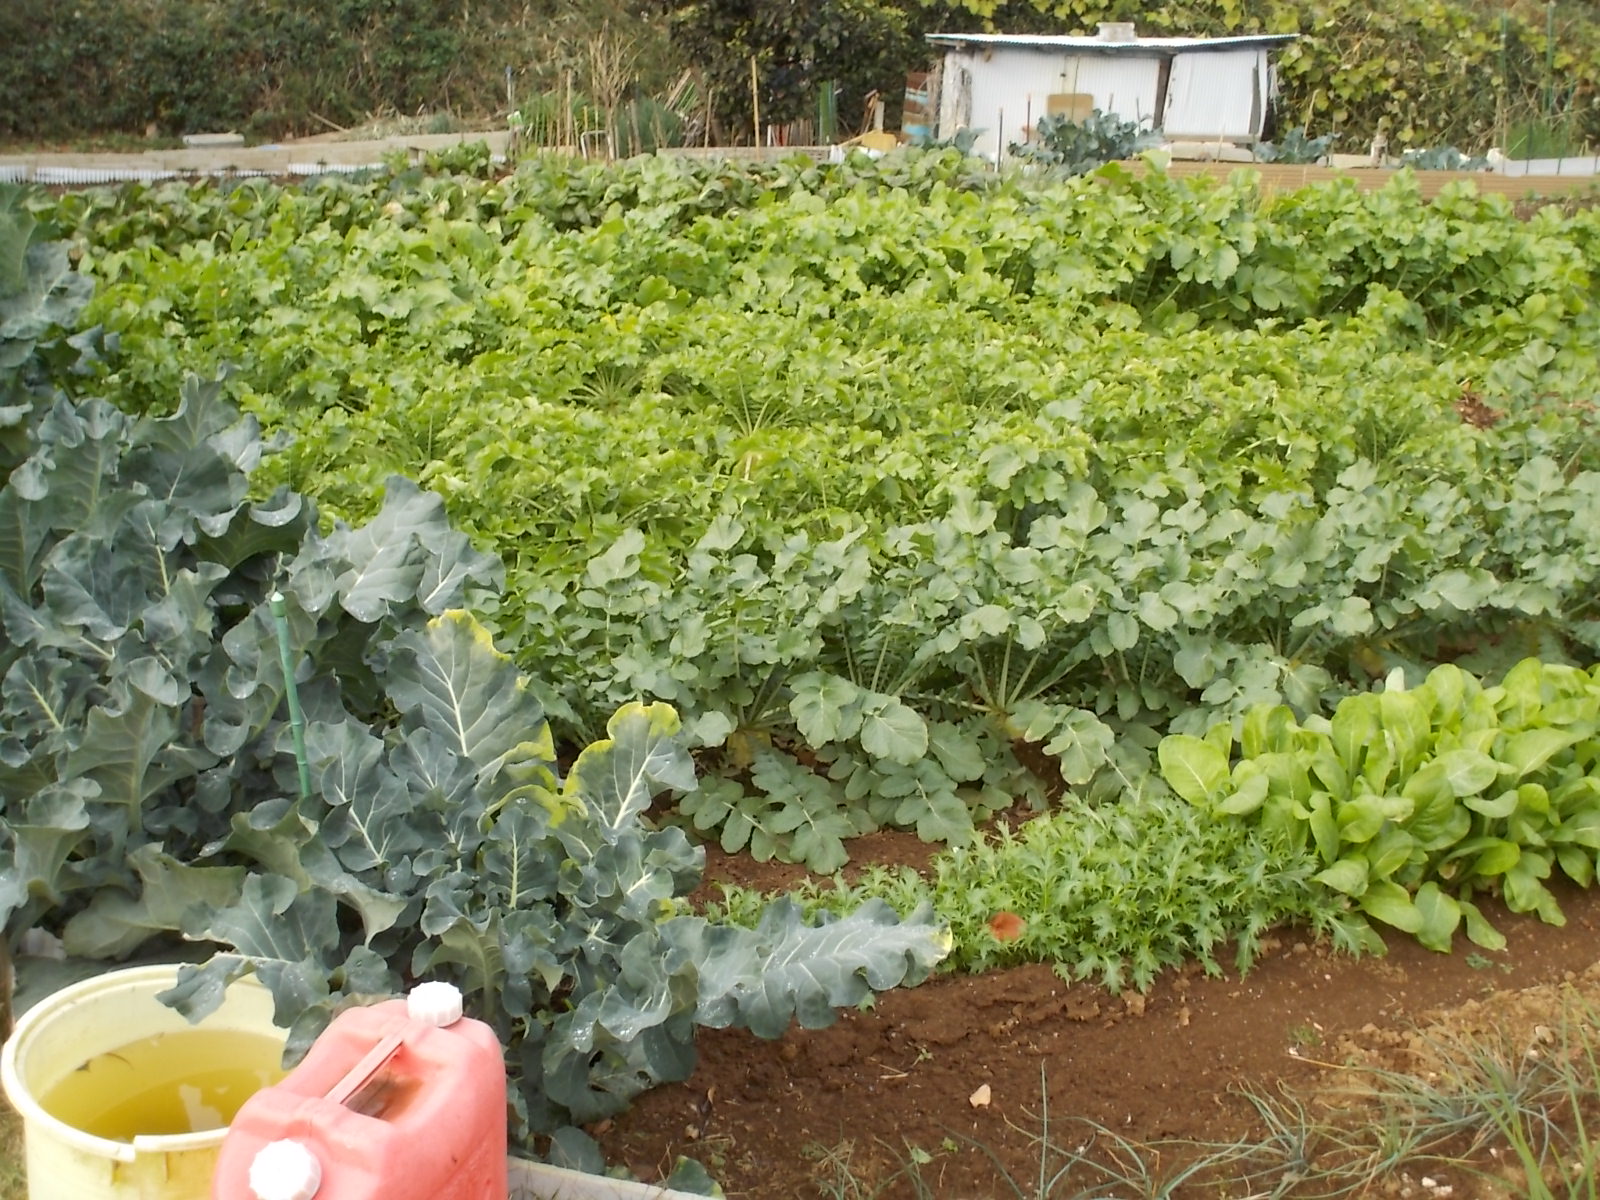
<point x="170" y="1083"/>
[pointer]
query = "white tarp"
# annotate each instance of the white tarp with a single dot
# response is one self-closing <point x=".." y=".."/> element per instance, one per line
<point x="1217" y="94"/>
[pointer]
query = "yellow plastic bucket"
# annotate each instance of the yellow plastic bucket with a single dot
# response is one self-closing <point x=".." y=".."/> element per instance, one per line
<point x="62" y="1033"/>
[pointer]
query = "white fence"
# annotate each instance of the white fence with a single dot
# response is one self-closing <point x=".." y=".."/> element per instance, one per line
<point x="1585" y="166"/>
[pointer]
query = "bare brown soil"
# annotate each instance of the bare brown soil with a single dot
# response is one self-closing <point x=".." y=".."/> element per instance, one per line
<point x="902" y="1079"/>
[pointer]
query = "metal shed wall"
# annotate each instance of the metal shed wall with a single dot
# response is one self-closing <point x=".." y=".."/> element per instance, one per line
<point x="1218" y="94"/>
<point x="981" y="84"/>
<point x="1125" y="85"/>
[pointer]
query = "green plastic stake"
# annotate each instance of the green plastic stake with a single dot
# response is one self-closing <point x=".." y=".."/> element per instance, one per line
<point x="297" y="719"/>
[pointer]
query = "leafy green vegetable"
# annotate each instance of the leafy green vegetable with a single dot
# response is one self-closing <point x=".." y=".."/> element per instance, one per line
<point x="39" y="294"/>
<point x="1443" y="158"/>
<point x="1199" y="449"/>
<point x="1077" y="147"/>
<point x="1417" y="799"/>
<point x="1294" y="147"/>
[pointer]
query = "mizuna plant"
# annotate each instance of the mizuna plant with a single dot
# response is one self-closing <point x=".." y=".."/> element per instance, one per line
<point x="1115" y="893"/>
<point x="1418" y="799"/>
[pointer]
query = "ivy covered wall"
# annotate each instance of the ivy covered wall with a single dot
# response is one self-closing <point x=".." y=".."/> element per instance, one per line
<point x="1472" y="73"/>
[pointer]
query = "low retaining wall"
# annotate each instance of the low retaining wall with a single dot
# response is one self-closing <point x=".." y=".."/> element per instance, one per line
<point x="1276" y="177"/>
<point x="322" y="158"/>
<point x="298" y="158"/>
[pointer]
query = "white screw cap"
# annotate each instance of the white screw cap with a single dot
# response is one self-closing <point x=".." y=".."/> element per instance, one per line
<point x="285" y="1170"/>
<point x="434" y="1003"/>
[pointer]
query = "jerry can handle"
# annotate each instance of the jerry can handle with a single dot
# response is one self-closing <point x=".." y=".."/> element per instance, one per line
<point x="358" y="1076"/>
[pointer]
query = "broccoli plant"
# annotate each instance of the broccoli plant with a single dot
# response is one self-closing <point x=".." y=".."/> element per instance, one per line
<point x="1443" y="158"/>
<point x="413" y="822"/>
<point x="1078" y="147"/>
<point x="40" y="294"/>
<point x="1295" y="148"/>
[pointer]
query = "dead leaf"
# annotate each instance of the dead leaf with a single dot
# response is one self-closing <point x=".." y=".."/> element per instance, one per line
<point x="1006" y="926"/>
<point x="980" y="1098"/>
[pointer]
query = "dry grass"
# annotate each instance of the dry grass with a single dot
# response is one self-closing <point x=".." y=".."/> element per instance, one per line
<point x="13" y="1184"/>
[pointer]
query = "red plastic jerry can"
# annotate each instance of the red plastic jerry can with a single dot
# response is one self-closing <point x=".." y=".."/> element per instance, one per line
<point x="405" y="1100"/>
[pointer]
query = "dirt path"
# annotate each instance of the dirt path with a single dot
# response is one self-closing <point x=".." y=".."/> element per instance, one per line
<point x="1168" y="1064"/>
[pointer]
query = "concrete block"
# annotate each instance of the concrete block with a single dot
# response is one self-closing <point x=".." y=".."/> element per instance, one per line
<point x="204" y="140"/>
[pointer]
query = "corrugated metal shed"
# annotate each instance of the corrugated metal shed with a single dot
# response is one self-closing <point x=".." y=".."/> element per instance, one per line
<point x="1011" y="90"/>
<point x="1002" y="84"/>
<point x="1131" y="86"/>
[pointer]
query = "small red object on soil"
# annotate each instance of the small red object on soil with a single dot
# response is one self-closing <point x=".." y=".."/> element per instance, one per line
<point x="1006" y="926"/>
<point x="1473" y="411"/>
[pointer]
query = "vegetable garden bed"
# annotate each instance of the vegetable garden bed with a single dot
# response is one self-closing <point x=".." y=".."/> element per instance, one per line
<point x="1255" y="542"/>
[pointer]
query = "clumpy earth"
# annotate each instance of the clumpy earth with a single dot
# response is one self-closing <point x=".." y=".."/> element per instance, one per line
<point x="953" y="1077"/>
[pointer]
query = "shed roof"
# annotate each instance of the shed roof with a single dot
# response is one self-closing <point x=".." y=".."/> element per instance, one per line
<point x="1163" y="47"/>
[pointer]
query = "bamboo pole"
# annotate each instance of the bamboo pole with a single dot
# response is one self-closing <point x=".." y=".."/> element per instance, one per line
<point x="1550" y="59"/>
<point x="569" y="132"/>
<point x="755" y="104"/>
